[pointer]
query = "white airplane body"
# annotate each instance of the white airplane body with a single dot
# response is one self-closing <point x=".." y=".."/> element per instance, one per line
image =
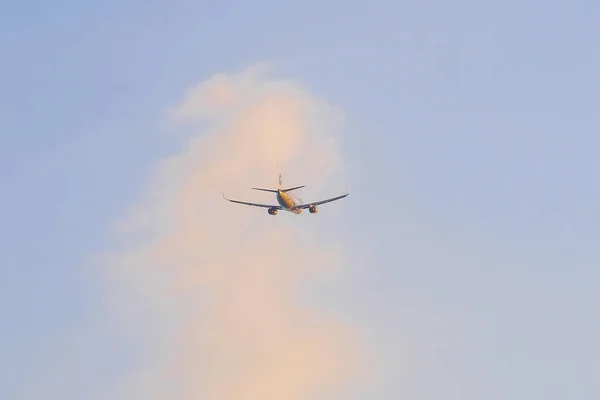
<point x="287" y="201"/>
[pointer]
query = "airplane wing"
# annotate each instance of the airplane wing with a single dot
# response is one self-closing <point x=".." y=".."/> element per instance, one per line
<point x="316" y="203"/>
<point x="253" y="204"/>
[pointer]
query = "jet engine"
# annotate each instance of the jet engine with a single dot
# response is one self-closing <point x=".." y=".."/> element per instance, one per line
<point x="313" y="209"/>
<point x="272" y="211"/>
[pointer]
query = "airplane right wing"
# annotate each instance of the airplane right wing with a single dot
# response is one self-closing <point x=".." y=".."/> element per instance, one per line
<point x="253" y="204"/>
<point x="316" y="203"/>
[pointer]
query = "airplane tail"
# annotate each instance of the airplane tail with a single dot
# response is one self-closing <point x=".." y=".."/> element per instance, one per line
<point x="280" y="185"/>
<point x="275" y="191"/>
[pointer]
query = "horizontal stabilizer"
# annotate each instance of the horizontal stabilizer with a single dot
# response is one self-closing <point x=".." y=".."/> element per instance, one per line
<point x="294" y="188"/>
<point x="265" y="190"/>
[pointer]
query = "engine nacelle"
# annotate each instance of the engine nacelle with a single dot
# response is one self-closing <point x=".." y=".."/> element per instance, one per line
<point x="272" y="211"/>
<point x="313" y="209"/>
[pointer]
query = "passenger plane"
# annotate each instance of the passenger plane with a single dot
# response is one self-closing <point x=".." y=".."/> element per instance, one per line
<point x="287" y="201"/>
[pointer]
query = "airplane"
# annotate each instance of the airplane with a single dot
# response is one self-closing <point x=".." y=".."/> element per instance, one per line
<point x="287" y="201"/>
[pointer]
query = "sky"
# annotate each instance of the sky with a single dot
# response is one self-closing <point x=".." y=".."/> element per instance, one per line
<point x="463" y="264"/>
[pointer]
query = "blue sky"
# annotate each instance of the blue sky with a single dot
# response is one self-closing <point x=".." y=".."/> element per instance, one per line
<point x="477" y="121"/>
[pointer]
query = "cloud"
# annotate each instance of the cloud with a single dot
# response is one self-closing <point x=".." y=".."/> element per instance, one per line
<point x="220" y="94"/>
<point x="211" y="291"/>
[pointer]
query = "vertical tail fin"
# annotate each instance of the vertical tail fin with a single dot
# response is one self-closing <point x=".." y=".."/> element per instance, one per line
<point x="279" y="171"/>
<point x="281" y="182"/>
<point x="272" y="190"/>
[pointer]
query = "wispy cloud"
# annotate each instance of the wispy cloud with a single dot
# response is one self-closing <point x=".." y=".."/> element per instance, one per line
<point x="211" y="287"/>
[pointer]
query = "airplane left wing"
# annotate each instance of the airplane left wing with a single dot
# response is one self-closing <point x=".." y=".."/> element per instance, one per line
<point x="316" y="203"/>
<point x="253" y="204"/>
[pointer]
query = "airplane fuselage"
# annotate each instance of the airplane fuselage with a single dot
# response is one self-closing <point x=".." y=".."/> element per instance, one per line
<point x="288" y="202"/>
